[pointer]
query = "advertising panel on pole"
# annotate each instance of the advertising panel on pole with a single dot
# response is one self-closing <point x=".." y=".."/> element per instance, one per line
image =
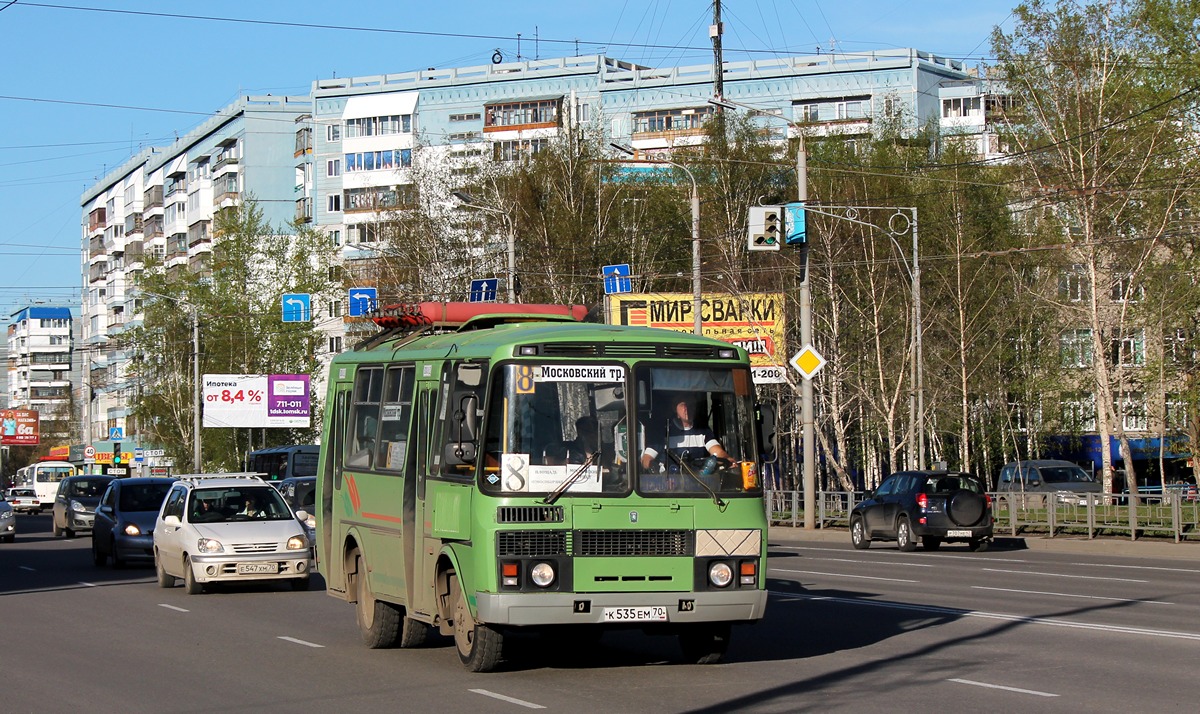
<point x="19" y="427"/>
<point x="256" y="400"/>
<point x="752" y="321"/>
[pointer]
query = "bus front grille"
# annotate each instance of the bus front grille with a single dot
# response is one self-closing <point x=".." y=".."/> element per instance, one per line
<point x="531" y="544"/>
<point x="633" y="543"/>
<point x="529" y="514"/>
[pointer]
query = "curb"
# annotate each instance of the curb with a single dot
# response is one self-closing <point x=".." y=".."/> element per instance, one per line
<point x="1142" y="548"/>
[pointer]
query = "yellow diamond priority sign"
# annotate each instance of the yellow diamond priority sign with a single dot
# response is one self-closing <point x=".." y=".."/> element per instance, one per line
<point x="807" y="362"/>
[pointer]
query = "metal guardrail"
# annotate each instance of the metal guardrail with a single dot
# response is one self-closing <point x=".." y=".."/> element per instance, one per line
<point x="1172" y="514"/>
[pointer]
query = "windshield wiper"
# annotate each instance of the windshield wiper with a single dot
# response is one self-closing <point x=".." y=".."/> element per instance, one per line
<point x="562" y="487"/>
<point x="685" y="468"/>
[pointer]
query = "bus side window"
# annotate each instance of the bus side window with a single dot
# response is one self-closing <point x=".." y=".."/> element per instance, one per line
<point x="395" y="416"/>
<point x="368" y="391"/>
<point x="462" y="416"/>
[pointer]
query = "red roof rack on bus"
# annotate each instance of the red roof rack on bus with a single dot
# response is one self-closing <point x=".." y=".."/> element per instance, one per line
<point x="405" y="318"/>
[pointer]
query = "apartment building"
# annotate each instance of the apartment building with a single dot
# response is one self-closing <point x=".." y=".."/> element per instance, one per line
<point x="42" y="367"/>
<point x="162" y="202"/>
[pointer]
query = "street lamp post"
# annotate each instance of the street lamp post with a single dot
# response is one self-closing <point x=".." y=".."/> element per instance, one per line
<point x="697" y="293"/>
<point x="469" y="202"/>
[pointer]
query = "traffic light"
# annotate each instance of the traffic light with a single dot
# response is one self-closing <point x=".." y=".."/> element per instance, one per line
<point x="766" y="228"/>
<point x="116" y="454"/>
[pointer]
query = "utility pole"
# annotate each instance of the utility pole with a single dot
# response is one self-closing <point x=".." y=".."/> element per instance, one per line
<point x="718" y="70"/>
<point x="196" y="458"/>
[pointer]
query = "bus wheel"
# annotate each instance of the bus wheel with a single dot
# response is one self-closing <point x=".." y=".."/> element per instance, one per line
<point x="479" y="646"/>
<point x="704" y="643"/>
<point x="378" y="622"/>
<point x="412" y="632"/>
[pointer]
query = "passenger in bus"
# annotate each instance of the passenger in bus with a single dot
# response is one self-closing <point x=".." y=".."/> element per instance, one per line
<point x="683" y="441"/>
<point x="586" y="441"/>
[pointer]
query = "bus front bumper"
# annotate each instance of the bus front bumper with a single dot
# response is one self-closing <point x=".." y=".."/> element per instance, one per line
<point x="531" y="609"/>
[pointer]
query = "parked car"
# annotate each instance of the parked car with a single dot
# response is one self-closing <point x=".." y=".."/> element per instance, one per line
<point x="8" y="521"/>
<point x="75" y="503"/>
<point x="23" y="500"/>
<point x="124" y="526"/>
<point x="228" y="528"/>
<point x="1040" y="478"/>
<point x="934" y="506"/>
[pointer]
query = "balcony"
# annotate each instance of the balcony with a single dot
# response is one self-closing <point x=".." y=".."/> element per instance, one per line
<point x="96" y="247"/>
<point x="153" y="198"/>
<point x="198" y="234"/>
<point x="153" y="228"/>
<point x="304" y="142"/>
<point x="304" y="210"/>
<point x="96" y="272"/>
<point x="178" y="188"/>
<point x="96" y="220"/>
<point x="225" y="159"/>
<point x="133" y="251"/>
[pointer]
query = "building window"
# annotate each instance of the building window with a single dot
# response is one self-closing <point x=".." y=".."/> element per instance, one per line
<point x="378" y="126"/>
<point x="335" y="237"/>
<point x="335" y="344"/>
<point x="1132" y="409"/>
<point x="1177" y="413"/>
<point x="1129" y="350"/>
<point x="542" y="111"/>
<point x="334" y="204"/>
<point x="1072" y="284"/>
<point x="1125" y="290"/>
<point x="851" y="109"/>
<point x="1075" y="348"/>
<point x="1176" y="348"/>
<point x="362" y="233"/>
<point x="809" y="112"/>
<point x="582" y="113"/>
<point x="335" y="308"/>
<point x="517" y="150"/>
<point x="333" y="132"/>
<point x="671" y="120"/>
<point x="333" y="167"/>
<point x="474" y="116"/>
<point x="962" y="107"/>
<point x="1078" y="411"/>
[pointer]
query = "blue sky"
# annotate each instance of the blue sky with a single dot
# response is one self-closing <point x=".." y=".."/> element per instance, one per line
<point x="84" y="89"/>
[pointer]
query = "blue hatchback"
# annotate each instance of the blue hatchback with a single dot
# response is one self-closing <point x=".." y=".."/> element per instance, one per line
<point x="124" y="529"/>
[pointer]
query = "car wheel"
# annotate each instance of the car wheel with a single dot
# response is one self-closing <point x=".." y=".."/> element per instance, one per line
<point x="858" y="534"/>
<point x="931" y="542"/>
<point x="479" y="646"/>
<point x="55" y="529"/>
<point x="189" y="579"/>
<point x="904" y="536"/>
<point x="704" y="643"/>
<point x="164" y="580"/>
<point x="69" y="533"/>
<point x="979" y="545"/>
<point x="98" y="558"/>
<point x="378" y="622"/>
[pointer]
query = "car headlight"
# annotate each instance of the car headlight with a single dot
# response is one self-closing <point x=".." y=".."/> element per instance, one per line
<point x="542" y="574"/>
<point x="720" y="574"/>
<point x="77" y="506"/>
<point x="209" y="545"/>
<point x="297" y="543"/>
<point x="311" y="521"/>
<point x="132" y="529"/>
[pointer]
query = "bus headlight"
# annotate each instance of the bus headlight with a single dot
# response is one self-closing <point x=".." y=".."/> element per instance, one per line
<point x="720" y="574"/>
<point x="542" y="575"/>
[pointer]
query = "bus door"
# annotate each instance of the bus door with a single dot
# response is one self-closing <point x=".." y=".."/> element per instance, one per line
<point x="423" y="551"/>
<point x="331" y="488"/>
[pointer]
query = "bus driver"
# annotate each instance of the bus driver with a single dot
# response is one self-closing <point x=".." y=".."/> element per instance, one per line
<point x="685" y="440"/>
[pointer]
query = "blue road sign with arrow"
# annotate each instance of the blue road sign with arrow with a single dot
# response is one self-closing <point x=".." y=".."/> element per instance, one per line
<point x="297" y="307"/>
<point x="484" y="290"/>
<point x="362" y="301"/>
<point x="616" y="279"/>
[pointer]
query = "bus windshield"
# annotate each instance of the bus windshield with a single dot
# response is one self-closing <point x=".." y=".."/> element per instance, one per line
<point x="566" y="428"/>
<point x="53" y="474"/>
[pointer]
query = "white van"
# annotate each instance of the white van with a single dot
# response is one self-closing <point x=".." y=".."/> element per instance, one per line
<point x="44" y="476"/>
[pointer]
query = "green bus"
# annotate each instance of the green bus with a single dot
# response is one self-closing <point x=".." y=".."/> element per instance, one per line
<point x="489" y="468"/>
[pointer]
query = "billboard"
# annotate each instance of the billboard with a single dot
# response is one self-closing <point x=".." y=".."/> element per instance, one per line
<point x="752" y="321"/>
<point x="256" y="400"/>
<point x="19" y="427"/>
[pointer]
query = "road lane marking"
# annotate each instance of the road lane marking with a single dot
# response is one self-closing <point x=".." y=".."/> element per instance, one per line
<point x="842" y="575"/>
<point x="1018" y="690"/>
<point x="26" y="567"/>
<point x="1136" y="567"/>
<point x="172" y="607"/>
<point x="302" y="642"/>
<point x="939" y="556"/>
<point x="1087" y="597"/>
<point x="87" y="584"/>
<point x="1064" y="575"/>
<point x="1023" y="619"/>
<point x="511" y="700"/>
<point x="874" y="562"/>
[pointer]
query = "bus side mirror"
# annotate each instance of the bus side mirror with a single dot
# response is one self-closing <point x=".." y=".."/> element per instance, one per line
<point x="766" y="414"/>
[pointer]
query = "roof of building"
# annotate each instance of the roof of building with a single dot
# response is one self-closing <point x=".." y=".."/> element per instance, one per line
<point x="42" y="313"/>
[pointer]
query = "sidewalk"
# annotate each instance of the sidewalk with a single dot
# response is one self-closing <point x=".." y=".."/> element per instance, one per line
<point x="1142" y="548"/>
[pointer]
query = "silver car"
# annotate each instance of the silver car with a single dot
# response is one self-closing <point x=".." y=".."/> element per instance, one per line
<point x="228" y="528"/>
<point x="8" y="521"/>
<point x="1038" y="478"/>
